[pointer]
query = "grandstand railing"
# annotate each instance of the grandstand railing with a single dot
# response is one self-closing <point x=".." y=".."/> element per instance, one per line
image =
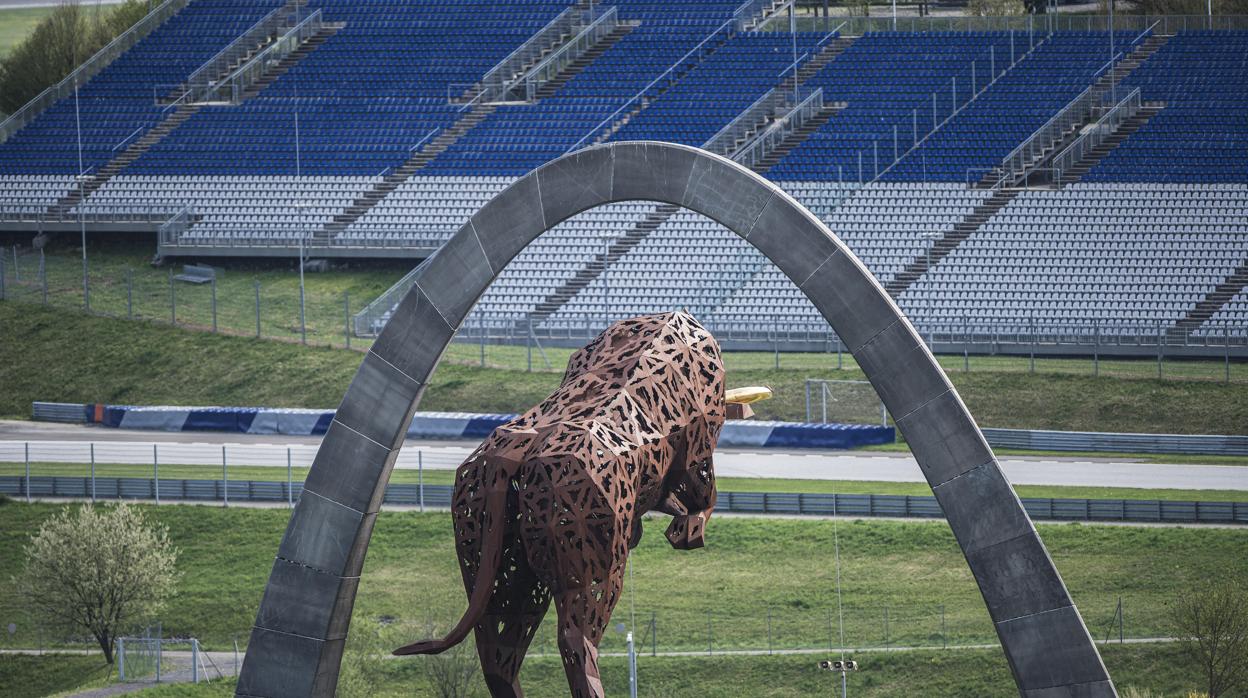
<point x="1014" y="335"/>
<point x="1040" y="144"/>
<point x="495" y="84"/>
<point x="607" y="125"/>
<point x="39" y="211"/>
<point x="369" y="321"/>
<point x="766" y="141"/>
<point x="91" y="67"/>
<point x="1166" y="24"/>
<point x="271" y="27"/>
<point x="556" y="62"/>
<point x="747" y="13"/>
<point x="253" y="70"/>
<point x="1096" y="134"/>
<point x="748" y="122"/>
<point x="177" y="224"/>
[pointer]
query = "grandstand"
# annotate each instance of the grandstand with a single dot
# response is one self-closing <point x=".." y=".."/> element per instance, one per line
<point x="994" y="179"/>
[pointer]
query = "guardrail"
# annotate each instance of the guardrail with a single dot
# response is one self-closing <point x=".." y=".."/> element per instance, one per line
<point x="1044" y="139"/>
<point x="91" y="67"/>
<point x="1096" y="134"/>
<point x="1093" y="441"/>
<point x="178" y="223"/>
<point x="724" y="141"/>
<point x="1052" y="22"/>
<point x="556" y="62"/>
<point x="42" y="211"/>
<point x="779" y="503"/>
<point x="369" y="321"/>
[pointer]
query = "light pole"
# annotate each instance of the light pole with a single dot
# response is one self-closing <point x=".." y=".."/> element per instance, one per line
<point x="302" y="205"/>
<point x="930" y="236"/>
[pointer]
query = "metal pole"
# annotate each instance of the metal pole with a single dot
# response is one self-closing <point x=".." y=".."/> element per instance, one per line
<point x="933" y="112"/>
<point x="214" y="303"/>
<point x="1096" y="348"/>
<point x="1160" y="340"/>
<point x="481" y="327"/>
<point x="944" y="638"/>
<point x="257" y="287"/>
<point x="1120" y="621"/>
<point x="632" y="665"/>
<point x="2" y="284"/>
<point x="1031" y="329"/>
<point x="807" y="409"/>
<point x="769" y="628"/>
<point x="173" y="300"/>
<point x="966" y="340"/>
<point x="346" y="316"/>
<point x="194" y="660"/>
<point x="43" y="276"/>
<point x="93" y="471"/>
<point x="953" y="90"/>
<point x="28" y="472"/>
<point x="225" y="479"/>
<point x="420" y="479"/>
<point x="129" y="294"/>
<point x="860" y="167"/>
<point x="894" y="142"/>
<point x="121" y="658"/>
<point x="290" y="482"/>
<point x="1226" y="351"/>
<point x="875" y="155"/>
<point x="914" y="127"/>
<point x="156" y="473"/>
<point x="709" y="635"/>
<point x="528" y="345"/>
<point x="886" y="626"/>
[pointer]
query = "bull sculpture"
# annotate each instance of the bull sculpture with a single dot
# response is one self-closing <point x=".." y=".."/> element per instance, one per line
<point x="551" y="503"/>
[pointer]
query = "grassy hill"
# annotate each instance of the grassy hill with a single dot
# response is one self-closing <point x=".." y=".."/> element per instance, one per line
<point x="904" y="584"/>
<point x="64" y="355"/>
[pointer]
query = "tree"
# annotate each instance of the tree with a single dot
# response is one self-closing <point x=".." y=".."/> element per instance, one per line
<point x="98" y="569"/>
<point x="61" y="42"/>
<point x="1211" y="622"/>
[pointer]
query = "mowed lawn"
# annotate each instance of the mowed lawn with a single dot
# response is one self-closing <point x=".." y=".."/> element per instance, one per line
<point x="63" y="355"/>
<point x="904" y="584"/>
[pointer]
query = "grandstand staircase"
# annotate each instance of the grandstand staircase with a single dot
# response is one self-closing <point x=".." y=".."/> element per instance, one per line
<point x="797" y="137"/>
<point x="285" y="64"/>
<point x="944" y="246"/>
<point x="435" y="147"/>
<point x="1120" y="70"/>
<point x="1124" y="131"/>
<point x="768" y="10"/>
<point x="1210" y="305"/>
<point x="132" y="152"/>
<point x="572" y="69"/>
<point x="825" y="56"/>
<point x="596" y="266"/>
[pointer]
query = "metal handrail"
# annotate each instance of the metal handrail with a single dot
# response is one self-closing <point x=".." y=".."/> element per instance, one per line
<point x="1170" y="24"/>
<point x="127" y="138"/>
<point x="645" y="90"/>
<point x="287" y="43"/>
<point x="424" y="140"/>
<point x="763" y="143"/>
<point x="90" y="67"/>
<point x="766" y="103"/>
<point x="563" y="17"/>
<point x="582" y="42"/>
<point x="247" y="39"/>
<point x="1092" y="137"/>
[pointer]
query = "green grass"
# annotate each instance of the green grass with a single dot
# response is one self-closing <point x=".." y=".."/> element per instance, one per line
<point x="44" y="357"/>
<point x="961" y="674"/>
<point x="724" y="484"/>
<point x="16" y="25"/>
<point x="31" y="676"/>
<point x="750" y="566"/>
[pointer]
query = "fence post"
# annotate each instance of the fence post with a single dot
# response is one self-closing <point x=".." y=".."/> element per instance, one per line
<point x="420" y="479"/>
<point x="43" y="276"/>
<point x="1161" y="338"/>
<point x="1226" y="351"/>
<point x="481" y="328"/>
<point x="807" y="405"/>
<point x="93" y="471"/>
<point x="654" y="635"/>
<point x="1031" y="329"/>
<point x="225" y="479"/>
<point x="290" y="482"/>
<point x="236" y="655"/>
<point x="1121" y="613"/>
<point x="346" y="316"/>
<point x="2" y="281"/>
<point x="775" y="345"/>
<point x="214" y="303"/>
<point x="194" y="660"/>
<point x="966" y="340"/>
<point x="256" y="283"/>
<point x="156" y="473"/>
<point x="1096" y="348"/>
<point x="129" y="294"/>
<point x="709" y="633"/>
<point x="173" y="300"/>
<point x="121" y="658"/>
<point x="28" y="472"/>
<point x="528" y="345"/>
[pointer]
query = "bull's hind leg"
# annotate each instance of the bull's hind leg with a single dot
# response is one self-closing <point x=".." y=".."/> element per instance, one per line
<point x="583" y="617"/>
<point x="508" y="626"/>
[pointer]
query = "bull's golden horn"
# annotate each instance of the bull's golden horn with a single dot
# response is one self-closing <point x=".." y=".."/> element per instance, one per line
<point x="744" y="396"/>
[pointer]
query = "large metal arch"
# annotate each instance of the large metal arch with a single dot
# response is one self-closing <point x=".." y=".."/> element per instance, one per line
<point x="297" y="641"/>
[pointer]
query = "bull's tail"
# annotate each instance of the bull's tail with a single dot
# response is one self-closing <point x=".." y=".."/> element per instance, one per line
<point x="491" y="558"/>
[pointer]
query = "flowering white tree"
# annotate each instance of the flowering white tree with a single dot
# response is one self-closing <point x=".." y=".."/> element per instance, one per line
<point x="98" y="569"/>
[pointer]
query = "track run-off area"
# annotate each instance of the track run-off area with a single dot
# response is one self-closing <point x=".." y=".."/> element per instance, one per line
<point x="58" y="443"/>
